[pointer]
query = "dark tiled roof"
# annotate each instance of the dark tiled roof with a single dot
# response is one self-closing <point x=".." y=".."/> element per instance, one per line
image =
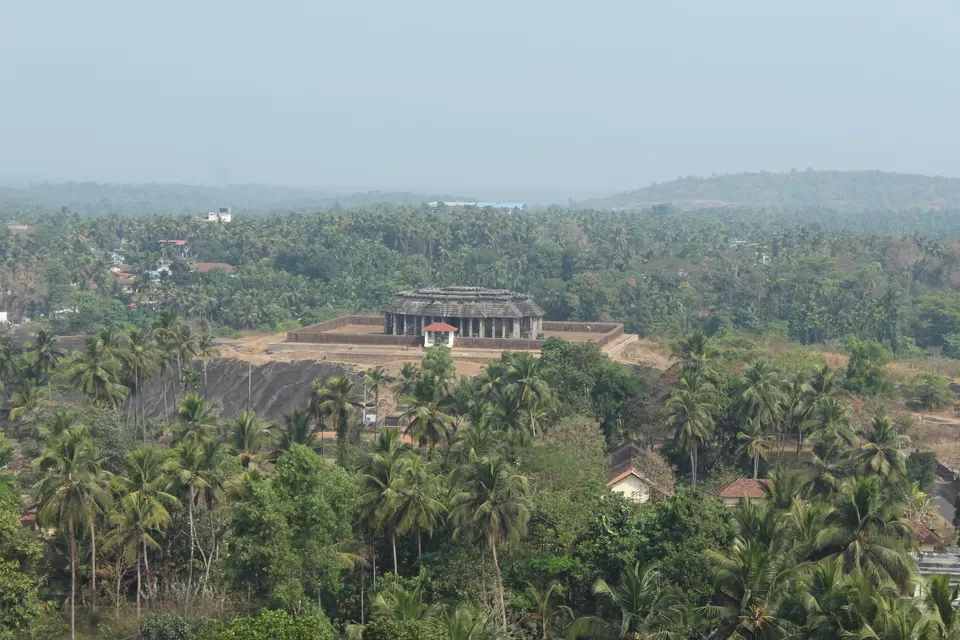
<point x="465" y="302"/>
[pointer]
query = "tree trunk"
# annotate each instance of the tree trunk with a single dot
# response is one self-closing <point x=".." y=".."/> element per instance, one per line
<point x="496" y="571"/>
<point x="419" y="547"/>
<point x="193" y="542"/>
<point x="373" y="561"/>
<point x="146" y="569"/>
<point x="693" y="468"/>
<point x="799" y="439"/>
<point x="139" y="589"/>
<point x="166" y="406"/>
<point x="205" y="394"/>
<point x="73" y="583"/>
<point x="393" y="543"/>
<point x="249" y="383"/>
<point x="93" y="570"/>
<point x="756" y="464"/>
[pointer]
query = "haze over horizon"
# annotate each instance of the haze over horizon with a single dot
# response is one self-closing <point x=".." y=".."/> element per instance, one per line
<point x="555" y="97"/>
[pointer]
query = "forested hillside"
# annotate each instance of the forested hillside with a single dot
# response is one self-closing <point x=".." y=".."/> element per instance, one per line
<point x="841" y="190"/>
<point x="91" y="198"/>
<point x="812" y="277"/>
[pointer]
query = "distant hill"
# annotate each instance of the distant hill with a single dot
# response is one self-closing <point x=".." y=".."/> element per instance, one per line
<point x="840" y="190"/>
<point x="91" y="198"/>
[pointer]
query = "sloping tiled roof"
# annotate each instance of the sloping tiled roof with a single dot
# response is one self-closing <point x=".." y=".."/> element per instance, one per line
<point x="440" y="326"/>
<point x="923" y="535"/>
<point x="743" y="487"/>
<point x="465" y="302"/>
<point x="663" y="491"/>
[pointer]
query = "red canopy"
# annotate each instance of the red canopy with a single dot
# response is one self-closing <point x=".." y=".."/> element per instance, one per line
<point x="440" y="326"/>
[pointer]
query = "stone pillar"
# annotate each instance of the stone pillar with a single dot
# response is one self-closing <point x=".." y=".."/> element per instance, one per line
<point x="515" y="325"/>
<point x="386" y="323"/>
<point x="395" y="324"/>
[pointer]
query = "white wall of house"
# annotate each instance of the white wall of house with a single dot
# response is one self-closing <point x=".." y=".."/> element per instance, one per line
<point x="438" y="338"/>
<point x="632" y="488"/>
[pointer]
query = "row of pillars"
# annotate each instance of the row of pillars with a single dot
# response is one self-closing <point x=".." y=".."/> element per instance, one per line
<point x="399" y="324"/>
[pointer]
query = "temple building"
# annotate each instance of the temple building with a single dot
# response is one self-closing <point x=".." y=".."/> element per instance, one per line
<point x="475" y="312"/>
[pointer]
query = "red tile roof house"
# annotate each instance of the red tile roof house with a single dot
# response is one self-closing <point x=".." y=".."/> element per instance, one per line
<point x="206" y="267"/>
<point x="927" y="541"/>
<point x="633" y="485"/>
<point x="737" y="491"/>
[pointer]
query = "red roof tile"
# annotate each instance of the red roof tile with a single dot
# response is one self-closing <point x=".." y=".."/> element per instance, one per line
<point x="923" y="535"/>
<point x="743" y="487"/>
<point x="440" y="326"/>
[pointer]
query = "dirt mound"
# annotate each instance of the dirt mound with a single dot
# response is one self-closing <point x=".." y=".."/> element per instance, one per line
<point x="646" y="352"/>
<point x="276" y="388"/>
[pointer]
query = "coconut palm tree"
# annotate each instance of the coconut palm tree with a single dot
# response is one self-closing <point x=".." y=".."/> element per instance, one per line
<point x="881" y="453"/>
<point x="754" y="443"/>
<point x="135" y="528"/>
<point x="298" y="428"/>
<point x="752" y="581"/>
<point x="143" y="487"/>
<point x="466" y="623"/>
<point x="96" y="372"/>
<point x="197" y="419"/>
<point x="696" y="354"/>
<point x="27" y="396"/>
<point x="829" y="466"/>
<point x="491" y="507"/>
<point x="47" y="357"/>
<point x="418" y="507"/>
<point x="426" y="423"/>
<point x="690" y="411"/>
<point x="546" y="606"/>
<point x="71" y="494"/>
<point x="141" y="361"/>
<point x="524" y="381"/>
<point x="762" y="396"/>
<point x="940" y="599"/>
<point x="406" y="381"/>
<point x="832" y="422"/>
<point x="185" y="464"/>
<point x="206" y="350"/>
<point x="643" y="603"/>
<point x="337" y="397"/>
<point x="248" y="436"/>
<point x="374" y="380"/>
<point x="866" y="530"/>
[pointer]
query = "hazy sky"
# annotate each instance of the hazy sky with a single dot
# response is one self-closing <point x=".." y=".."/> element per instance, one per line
<point x="571" y="95"/>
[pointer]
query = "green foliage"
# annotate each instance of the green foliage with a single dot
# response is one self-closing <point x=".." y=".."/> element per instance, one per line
<point x="285" y="533"/>
<point x="927" y="391"/>
<point x="674" y="533"/>
<point x="922" y="468"/>
<point x="389" y="629"/>
<point x="439" y="363"/>
<point x="171" y="626"/>
<point x="20" y="553"/>
<point x="865" y="373"/>
<point x="272" y="625"/>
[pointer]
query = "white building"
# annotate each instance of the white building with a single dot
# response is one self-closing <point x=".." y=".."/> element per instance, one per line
<point x="438" y="334"/>
<point x="223" y="214"/>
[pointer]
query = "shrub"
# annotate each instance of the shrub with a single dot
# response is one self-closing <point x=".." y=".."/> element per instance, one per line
<point x="171" y="626"/>
<point x="272" y="625"/>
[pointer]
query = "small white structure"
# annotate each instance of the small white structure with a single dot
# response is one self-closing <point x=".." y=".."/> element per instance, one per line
<point x="438" y="334"/>
<point x="223" y="214"/>
<point x="632" y="486"/>
<point x="3" y="318"/>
